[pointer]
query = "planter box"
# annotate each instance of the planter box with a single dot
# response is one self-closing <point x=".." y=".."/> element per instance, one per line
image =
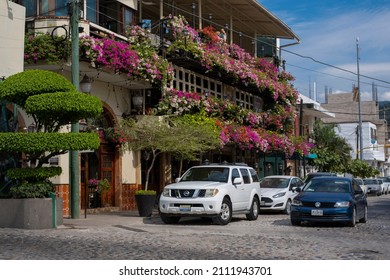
<point x="29" y="213"/>
<point x="145" y="204"/>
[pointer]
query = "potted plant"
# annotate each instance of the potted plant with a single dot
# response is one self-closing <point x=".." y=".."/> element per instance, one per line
<point x="145" y="200"/>
<point x="52" y="102"/>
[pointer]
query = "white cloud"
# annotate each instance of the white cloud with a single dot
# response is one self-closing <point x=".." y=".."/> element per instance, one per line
<point x="332" y="40"/>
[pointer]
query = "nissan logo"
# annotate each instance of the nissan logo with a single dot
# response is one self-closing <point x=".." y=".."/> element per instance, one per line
<point x="317" y="204"/>
<point x="186" y="193"/>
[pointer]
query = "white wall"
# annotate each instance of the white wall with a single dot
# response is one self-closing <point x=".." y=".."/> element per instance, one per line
<point x="12" y="21"/>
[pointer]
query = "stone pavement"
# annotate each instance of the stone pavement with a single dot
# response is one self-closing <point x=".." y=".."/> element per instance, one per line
<point x="126" y="236"/>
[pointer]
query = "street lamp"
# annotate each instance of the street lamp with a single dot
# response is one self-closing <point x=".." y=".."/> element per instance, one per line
<point x="86" y="84"/>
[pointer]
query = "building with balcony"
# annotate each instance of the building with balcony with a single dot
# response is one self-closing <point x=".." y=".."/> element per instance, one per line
<point x="209" y="50"/>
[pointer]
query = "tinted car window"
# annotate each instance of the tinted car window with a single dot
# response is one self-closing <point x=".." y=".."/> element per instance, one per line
<point x="255" y="178"/>
<point x="245" y="175"/>
<point x="235" y="174"/>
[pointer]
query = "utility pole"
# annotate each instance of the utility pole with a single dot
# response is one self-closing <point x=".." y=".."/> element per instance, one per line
<point x="359" y="101"/>
<point x="74" y="12"/>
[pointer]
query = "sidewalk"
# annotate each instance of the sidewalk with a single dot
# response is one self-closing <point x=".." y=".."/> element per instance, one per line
<point x="108" y="219"/>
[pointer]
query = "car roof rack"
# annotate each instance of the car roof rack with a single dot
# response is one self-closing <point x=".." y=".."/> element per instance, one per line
<point x="225" y="163"/>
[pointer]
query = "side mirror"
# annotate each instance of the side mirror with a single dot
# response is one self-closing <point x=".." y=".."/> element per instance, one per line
<point x="237" y="181"/>
<point x="177" y="180"/>
<point x="298" y="189"/>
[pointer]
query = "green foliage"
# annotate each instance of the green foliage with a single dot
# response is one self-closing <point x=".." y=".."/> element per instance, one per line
<point x="41" y="142"/>
<point x="362" y="169"/>
<point x="32" y="190"/>
<point x="333" y="151"/>
<point x="34" y="174"/>
<point x="60" y="108"/>
<point x="17" y="88"/>
<point x="194" y="134"/>
<point x="42" y="46"/>
<point x="103" y="186"/>
<point x="145" y="192"/>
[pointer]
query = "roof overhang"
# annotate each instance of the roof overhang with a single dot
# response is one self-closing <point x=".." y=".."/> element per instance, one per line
<point x="246" y="16"/>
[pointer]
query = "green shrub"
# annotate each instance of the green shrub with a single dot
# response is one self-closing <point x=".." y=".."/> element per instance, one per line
<point x="32" y="190"/>
<point x="145" y="192"/>
<point x="63" y="107"/>
<point x="51" y="142"/>
<point x="34" y="174"/>
<point x="18" y="87"/>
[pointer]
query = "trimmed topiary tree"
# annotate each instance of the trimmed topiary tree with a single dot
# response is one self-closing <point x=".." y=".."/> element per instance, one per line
<point x="52" y="101"/>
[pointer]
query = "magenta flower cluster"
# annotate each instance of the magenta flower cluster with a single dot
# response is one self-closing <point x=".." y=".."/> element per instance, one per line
<point x="246" y="128"/>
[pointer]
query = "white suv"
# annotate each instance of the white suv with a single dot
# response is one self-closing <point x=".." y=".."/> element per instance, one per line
<point x="214" y="190"/>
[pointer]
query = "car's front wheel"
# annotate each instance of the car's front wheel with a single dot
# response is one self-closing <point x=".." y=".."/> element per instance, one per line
<point x="352" y="222"/>
<point x="169" y="219"/>
<point x="295" y="222"/>
<point x="364" y="219"/>
<point x="254" y="211"/>
<point x="287" y="210"/>
<point x="225" y="215"/>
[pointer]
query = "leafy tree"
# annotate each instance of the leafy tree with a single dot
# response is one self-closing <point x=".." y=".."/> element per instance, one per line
<point x="333" y="151"/>
<point x="360" y="168"/>
<point x="195" y="134"/>
<point x="185" y="137"/>
<point x="52" y="101"/>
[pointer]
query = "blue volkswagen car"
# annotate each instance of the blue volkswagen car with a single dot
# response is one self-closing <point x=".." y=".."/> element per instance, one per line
<point x="330" y="199"/>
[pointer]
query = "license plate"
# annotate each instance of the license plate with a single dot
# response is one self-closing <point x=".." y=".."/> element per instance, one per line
<point x="316" y="212"/>
<point x="185" y="208"/>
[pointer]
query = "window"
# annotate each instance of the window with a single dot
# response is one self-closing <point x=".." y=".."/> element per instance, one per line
<point x="31" y="7"/>
<point x="245" y="175"/>
<point x="255" y="178"/>
<point x="61" y="8"/>
<point x="235" y="174"/>
<point x="92" y="11"/>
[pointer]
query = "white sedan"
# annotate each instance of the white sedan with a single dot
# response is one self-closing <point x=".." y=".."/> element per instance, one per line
<point x="278" y="191"/>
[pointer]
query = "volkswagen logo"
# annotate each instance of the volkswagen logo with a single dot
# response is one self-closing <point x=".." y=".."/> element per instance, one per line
<point x="186" y="193"/>
<point x="317" y="204"/>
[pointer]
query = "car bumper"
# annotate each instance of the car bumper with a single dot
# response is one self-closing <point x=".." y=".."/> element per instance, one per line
<point x="190" y="207"/>
<point x="341" y="214"/>
<point x="273" y="204"/>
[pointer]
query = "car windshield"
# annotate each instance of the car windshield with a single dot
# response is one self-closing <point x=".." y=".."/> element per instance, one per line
<point x="274" y="183"/>
<point x="328" y="185"/>
<point x="217" y="174"/>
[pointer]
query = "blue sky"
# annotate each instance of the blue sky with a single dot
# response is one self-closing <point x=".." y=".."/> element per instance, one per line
<point x="328" y="31"/>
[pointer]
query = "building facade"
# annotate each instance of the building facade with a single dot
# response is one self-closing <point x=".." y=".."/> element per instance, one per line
<point x="238" y="24"/>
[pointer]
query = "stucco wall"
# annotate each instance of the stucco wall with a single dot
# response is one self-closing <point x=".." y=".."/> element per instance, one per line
<point x="12" y="39"/>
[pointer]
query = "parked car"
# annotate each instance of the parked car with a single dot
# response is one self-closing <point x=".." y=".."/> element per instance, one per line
<point x="386" y="184"/>
<point x="278" y="191"/>
<point x="317" y="174"/>
<point x="330" y="199"/>
<point x="215" y="191"/>
<point x="361" y="184"/>
<point x="373" y="186"/>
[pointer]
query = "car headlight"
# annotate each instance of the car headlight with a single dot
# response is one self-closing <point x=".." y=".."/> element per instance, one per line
<point x="166" y="192"/>
<point x="279" y="195"/>
<point x="296" y="202"/>
<point x="211" y="192"/>
<point x="342" y="204"/>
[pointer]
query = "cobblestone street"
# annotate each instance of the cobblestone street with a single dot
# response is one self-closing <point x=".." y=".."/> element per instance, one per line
<point x="119" y="236"/>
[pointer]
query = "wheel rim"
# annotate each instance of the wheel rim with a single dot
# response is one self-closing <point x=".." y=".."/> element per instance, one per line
<point x="288" y="207"/>
<point x="255" y="209"/>
<point x="225" y="211"/>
